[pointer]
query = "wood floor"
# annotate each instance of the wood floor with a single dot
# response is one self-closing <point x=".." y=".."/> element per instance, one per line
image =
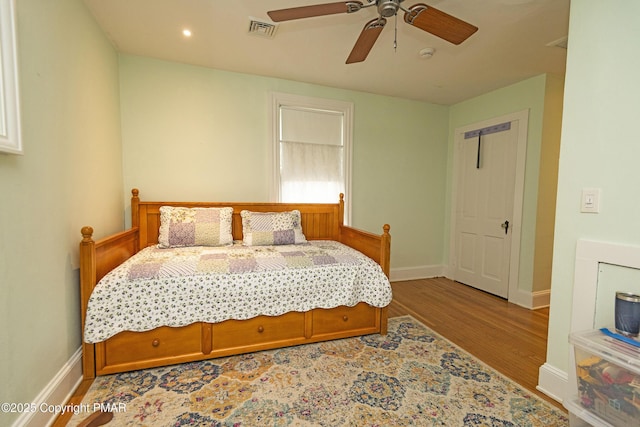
<point x="505" y="336"/>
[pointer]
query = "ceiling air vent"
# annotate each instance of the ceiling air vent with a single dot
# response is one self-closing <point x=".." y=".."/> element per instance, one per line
<point x="261" y="28"/>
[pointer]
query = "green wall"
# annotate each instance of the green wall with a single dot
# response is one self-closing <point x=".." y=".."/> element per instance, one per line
<point x="599" y="147"/>
<point x="192" y="133"/>
<point x="70" y="175"/>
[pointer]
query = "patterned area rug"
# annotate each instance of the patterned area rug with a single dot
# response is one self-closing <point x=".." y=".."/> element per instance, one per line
<point x="410" y="377"/>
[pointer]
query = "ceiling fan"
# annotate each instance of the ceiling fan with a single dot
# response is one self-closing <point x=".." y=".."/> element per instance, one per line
<point x="420" y="15"/>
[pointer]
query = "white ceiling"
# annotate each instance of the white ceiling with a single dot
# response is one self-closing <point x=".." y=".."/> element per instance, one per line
<point x="511" y="44"/>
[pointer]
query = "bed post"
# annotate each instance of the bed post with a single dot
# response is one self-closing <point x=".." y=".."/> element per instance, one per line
<point x="341" y="211"/>
<point x="135" y="216"/>
<point x="87" y="283"/>
<point x="135" y="208"/>
<point x="385" y="250"/>
<point x="385" y="263"/>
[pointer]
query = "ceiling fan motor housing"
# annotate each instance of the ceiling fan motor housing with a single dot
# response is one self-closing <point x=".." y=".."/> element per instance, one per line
<point x="388" y="8"/>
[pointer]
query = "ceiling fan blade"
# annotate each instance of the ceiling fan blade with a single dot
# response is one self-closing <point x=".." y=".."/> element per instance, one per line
<point x="438" y="23"/>
<point x="314" y="10"/>
<point x="366" y="40"/>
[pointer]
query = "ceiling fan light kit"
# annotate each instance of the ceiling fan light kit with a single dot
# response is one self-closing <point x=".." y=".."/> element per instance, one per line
<point x="420" y="15"/>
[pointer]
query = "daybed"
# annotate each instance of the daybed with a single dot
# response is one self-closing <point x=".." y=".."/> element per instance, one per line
<point x="176" y="340"/>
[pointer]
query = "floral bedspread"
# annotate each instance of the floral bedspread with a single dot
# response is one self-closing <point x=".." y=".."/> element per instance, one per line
<point x="176" y="287"/>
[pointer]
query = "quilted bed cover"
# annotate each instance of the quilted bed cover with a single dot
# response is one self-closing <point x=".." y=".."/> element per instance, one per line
<point x="179" y="286"/>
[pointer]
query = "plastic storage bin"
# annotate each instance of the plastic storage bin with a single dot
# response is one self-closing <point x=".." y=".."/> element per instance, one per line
<point x="608" y="380"/>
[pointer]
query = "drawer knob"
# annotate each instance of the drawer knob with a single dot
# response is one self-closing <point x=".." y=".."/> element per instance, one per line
<point x="345" y="318"/>
<point x="260" y="329"/>
<point x="155" y="342"/>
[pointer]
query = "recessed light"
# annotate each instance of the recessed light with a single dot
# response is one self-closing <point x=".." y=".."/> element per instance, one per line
<point x="186" y="32"/>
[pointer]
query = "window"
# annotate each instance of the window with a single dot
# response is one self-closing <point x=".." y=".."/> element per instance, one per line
<point x="9" y="107"/>
<point x="311" y="150"/>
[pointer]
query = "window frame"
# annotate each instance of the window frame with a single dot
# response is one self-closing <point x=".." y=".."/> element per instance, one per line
<point x="10" y="137"/>
<point x="278" y="100"/>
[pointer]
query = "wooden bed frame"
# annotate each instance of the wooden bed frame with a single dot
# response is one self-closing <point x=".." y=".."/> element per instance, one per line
<point x="128" y="351"/>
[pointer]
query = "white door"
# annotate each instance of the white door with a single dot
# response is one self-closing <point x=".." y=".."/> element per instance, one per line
<point x="484" y="217"/>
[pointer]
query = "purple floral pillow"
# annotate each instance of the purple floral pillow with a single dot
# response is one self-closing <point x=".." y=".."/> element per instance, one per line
<point x="180" y="227"/>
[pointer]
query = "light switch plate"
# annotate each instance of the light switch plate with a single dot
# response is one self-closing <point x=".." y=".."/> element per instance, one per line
<point x="590" y="201"/>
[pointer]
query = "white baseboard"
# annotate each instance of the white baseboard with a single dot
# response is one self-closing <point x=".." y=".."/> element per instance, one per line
<point x="415" y="273"/>
<point x="553" y="382"/>
<point x="55" y="395"/>
<point x="531" y="300"/>
<point x="541" y="299"/>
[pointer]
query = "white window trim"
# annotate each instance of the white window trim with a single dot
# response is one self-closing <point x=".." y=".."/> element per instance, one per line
<point x="277" y="100"/>
<point x="10" y="139"/>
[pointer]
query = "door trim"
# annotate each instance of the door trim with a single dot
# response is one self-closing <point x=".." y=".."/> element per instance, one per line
<point x="518" y="197"/>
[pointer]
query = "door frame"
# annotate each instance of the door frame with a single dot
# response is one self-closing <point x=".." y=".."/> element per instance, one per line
<point x="518" y="197"/>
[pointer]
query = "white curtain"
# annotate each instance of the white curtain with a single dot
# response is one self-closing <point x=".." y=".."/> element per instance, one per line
<point x="311" y="173"/>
